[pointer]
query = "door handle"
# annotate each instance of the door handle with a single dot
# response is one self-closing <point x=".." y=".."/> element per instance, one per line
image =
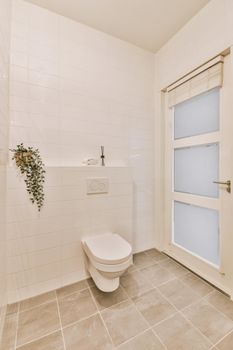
<point x="225" y="183"/>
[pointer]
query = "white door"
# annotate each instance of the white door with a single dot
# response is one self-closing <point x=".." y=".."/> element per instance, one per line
<point x="199" y="211"/>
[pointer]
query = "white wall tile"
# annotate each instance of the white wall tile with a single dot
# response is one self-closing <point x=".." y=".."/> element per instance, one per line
<point x="18" y="73"/>
<point x="19" y="44"/>
<point x="54" y="235"/>
<point x="5" y="13"/>
<point x="19" y="59"/>
<point x="74" y="89"/>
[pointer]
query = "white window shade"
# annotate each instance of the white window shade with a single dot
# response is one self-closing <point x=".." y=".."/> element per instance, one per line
<point x="205" y="78"/>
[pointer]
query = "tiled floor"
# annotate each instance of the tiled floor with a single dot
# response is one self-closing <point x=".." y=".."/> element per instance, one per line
<point x="159" y="305"/>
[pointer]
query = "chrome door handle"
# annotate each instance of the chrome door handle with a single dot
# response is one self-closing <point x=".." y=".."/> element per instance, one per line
<point x="225" y="183"/>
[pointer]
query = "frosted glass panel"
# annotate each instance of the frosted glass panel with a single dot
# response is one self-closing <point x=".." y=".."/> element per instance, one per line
<point x="198" y="115"/>
<point x="196" y="229"/>
<point x="195" y="169"/>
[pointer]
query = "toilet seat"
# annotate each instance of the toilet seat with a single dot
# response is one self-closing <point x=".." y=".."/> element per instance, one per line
<point x="108" y="249"/>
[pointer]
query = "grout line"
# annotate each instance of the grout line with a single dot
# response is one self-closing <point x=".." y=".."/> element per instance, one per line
<point x="172" y="278"/>
<point x="149" y="326"/>
<point x="130" y="298"/>
<point x="59" y="315"/>
<point x="128" y="340"/>
<point x="17" y="326"/>
<point x="165" y="256"/>
<point x="18" y="308"/>
<point x="216" y="309"/>
<point x="212" y="292"/>
<point x="164" y="283"/>
<point x="160" y="264"/>
<point x="192" y="304"/>
<point x="179" y="278"/>
<point x="216" y="290"/>
<point x="41" y="304"/>
<point x="181" y="314"/>
<point x="220" y="340"/>
<point x="194" y="273"/>
<point x="156" y="288"/>
<point x="101" y="317"/>
<point x="204" y="281"/>
<point x="156" y="335"/>
<point x="51" y="300"/>
<point x="116" y="304"/>
<point x="36" y="339"/>
<point x="219" y="311"/>
<point x="80" y="320"/>
<point x="201" y="296"/>
<point x="71" y="293"/>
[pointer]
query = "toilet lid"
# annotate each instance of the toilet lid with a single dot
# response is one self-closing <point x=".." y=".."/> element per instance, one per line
<point x="108" y="248"/>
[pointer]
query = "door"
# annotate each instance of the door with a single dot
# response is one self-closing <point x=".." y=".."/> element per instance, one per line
<point x="199" y="168"/>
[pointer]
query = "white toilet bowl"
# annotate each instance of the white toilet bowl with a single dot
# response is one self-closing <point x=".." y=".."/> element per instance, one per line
<point x="108" y="256"/>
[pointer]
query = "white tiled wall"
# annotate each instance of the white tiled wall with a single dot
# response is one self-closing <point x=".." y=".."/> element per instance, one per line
<point x="4" y="67"/>
<point x="72" y="90"/>
<point x="44" y="250"/>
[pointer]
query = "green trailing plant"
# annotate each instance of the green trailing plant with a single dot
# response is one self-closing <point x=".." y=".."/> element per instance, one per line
<point x="28" y="160"/>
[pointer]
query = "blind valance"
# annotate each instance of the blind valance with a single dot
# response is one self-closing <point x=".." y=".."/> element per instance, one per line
<point x="204" y="78"/>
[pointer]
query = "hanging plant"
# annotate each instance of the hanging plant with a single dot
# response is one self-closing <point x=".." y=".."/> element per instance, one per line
<point x="28" y="160"/>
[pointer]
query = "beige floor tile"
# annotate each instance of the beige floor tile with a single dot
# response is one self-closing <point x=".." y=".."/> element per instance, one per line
<point x="158" y="256"/>
<point x="197" y="284"/>
<point x="9" y="332"/>
<point x="90" y="282"/>
<point x="53" y="341"/>
<point x="157" y="275"/>
<point x="144" y="341"/>
<point x="141" y="260"/>
<point x="131" y="268"/>
<point x="123" y="321"/>
<point x="89" y="334"/>
<point x="36" y="301"/>
<point x="226" y="343"/>
<point x="12" y="308"/>
<point x="135" y="283"/>
<point x="104" y="300"/>
<point x="176" y="333"/>
<point x="37" y="322"/>
<point x="64" y="291"/>
<point x="174" y="267"/>
<point x="76" y="306"/>
<point x="178" y="293"/>
<point x="222" y="303"/>
<point x="154" y="307"/>
<point x="208" y="320"/>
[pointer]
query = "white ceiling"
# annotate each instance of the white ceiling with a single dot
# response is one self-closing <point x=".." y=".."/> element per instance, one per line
<point x="145" y="23"/>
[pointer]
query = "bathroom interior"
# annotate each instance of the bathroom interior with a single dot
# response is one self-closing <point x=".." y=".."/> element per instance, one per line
<point x="115" y="175"/>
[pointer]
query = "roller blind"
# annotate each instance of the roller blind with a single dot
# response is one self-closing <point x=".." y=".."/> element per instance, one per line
<point x="205" y="78"/>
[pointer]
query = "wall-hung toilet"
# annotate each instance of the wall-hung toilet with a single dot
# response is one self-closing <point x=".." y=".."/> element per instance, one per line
<point x="108" y="257"/>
